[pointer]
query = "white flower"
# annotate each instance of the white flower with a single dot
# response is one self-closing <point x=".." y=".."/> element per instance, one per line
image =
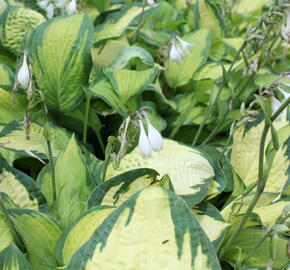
<point x="23" y="76"/>
<point x="285" y="32"/>
<point x="283" y="92"/>
<point x="72" y="7"/>
<point x="144" y="145"/>
<point x="150" y="2"/>
<point x="186" y="46"/>
<point x="49" y="11"/>
<point x="275" y="105"/>
<point x="154" y="137"/>
<point x="43" y="4"/>
<point x="176" y="53"/>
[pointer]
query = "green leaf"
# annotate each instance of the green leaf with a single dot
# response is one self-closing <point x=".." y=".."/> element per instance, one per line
<point x="189" y="170"/>
<point x="207" y="16"/>
<point x="159" y="230"/>
<point x="6" y="75"/>
<point x="6" y="237"/>
<point x="20" y="188"/>
<point x="129" y="83"/>
<point x="180" y="74"/>
<point x="119" y="188"/>
<point x="11" y="258"/>
<point x="39" y="233"/>
<point x="15" y="22"/>
<point x="117" y="23"/>
<point x="245" y="7"/>
<point x="60" y="50"/>
<point x="73" y="184"/>
<point x="79" y="232"/>
<point x="13" y="137"/>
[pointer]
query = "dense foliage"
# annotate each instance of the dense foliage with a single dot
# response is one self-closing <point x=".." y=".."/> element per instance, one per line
<point x="88" y="182"/>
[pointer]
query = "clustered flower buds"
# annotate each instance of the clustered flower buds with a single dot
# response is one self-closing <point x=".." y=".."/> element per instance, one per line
<point x="285" y="32"/>
<point x="50" y="5"/>
<point x="23" y="76"/>
<point x="176" y="53"/>
<point x="151" y="142"/>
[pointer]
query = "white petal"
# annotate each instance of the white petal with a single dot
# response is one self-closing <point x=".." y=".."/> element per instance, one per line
<point x="175" y="54"/>
<point x="186" y="46"/>
<point x="275" y="105"/>
<point x="144" y="145"/>
<point x="150" y="2"/>
<point x="72" y="7"/>
<point x="284" y="93"/>
<point x="50" y="11"/>
<point x="23" y="75"/>
<point x="155" y="138"/>
<point x="43" y="4"/>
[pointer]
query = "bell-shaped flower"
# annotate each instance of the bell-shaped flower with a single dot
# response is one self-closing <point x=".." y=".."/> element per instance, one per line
<point x="49" y="11"/>
<point x="154" y="137"/>
<point x="283" y="92"/>
<point x="176" y="53"/>
<point x="186" y="46"/>
<point x="43" y="4"/>
<point x="72" y="7"/>
<point x="23" y="76"/>
<point x="150" y="2"/>
<point x="143" y="144"/>
<point x="275" y="105"/>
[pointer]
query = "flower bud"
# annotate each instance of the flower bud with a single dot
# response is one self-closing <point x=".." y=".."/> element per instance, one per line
<point x="49" y="11"/>
<point x="72" y="7"/>
<point x="175" y="54"/>
<point x="150" y="2"/>
<point x="275" y="105"/>
<point x="23" y="76"/>
<point x="144" y="145"/>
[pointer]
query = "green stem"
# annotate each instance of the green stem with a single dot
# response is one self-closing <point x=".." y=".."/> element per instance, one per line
<point x="52" y="169"/>
<point x="140" y="23"/>
<point x="261" y="183"/>
<point x="87" y="108"/>
<point x="210" y="108"/>
<point x="14" y="233"/>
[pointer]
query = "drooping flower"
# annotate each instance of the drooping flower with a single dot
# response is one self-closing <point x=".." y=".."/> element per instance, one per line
<point x="72" y="7"/>
<point x="285" y="31"/>
<point x="186" y="46"/>
<point x="49" y="11"/>
<point x="143" y="144"/>
<point x="154" y="137"/>
<point x="275" y="105"/>
<point x="23" y="76"/>
<point x="43" y="4"/>
<point x="283" y="92"/>
<point x="150" y="2"/>
<point x="175" y="54"/>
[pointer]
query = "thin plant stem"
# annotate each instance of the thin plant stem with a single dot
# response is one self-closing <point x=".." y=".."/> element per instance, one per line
<point x="13" y="231"/>
<point x="52" y="169"/>
<point x="261" y="182"/>
<point x="210" y="108"/>
<point x="140" y="23"/>
<point x="87" y="108"/>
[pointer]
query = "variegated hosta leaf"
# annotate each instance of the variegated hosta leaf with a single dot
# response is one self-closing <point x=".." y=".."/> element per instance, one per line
<point x="11" y="258"/>
<point x="79" y="232"/>
<point x="10" y="111"/>
<point x="189" y="170"/>
<point x="245" y="7"/>
<point x="119" y="188"/>
<point x="129" y="83"/>
<point x="60" y="49"/>
<point x="211" y="221"/>
<point x="180" y="74"/>
<point x="207" y="16"/>
<point x="20" y="188"/>
<point x="6" y="75"/>
<point x="247" y="239"/>
<point x="39" y="233"/>
<point x="73" y="184"/>
<point x="268" y="209"/>
<point x="153" y="229"/>
<point x="117" y="23"/>
<point x="245" y="154"/>
<point x="15" y="22"/>
<point x="13" y="137"/>
<point x="6" y="237"/>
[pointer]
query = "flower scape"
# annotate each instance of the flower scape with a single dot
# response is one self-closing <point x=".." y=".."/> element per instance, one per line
<point x="144" y="134"/>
